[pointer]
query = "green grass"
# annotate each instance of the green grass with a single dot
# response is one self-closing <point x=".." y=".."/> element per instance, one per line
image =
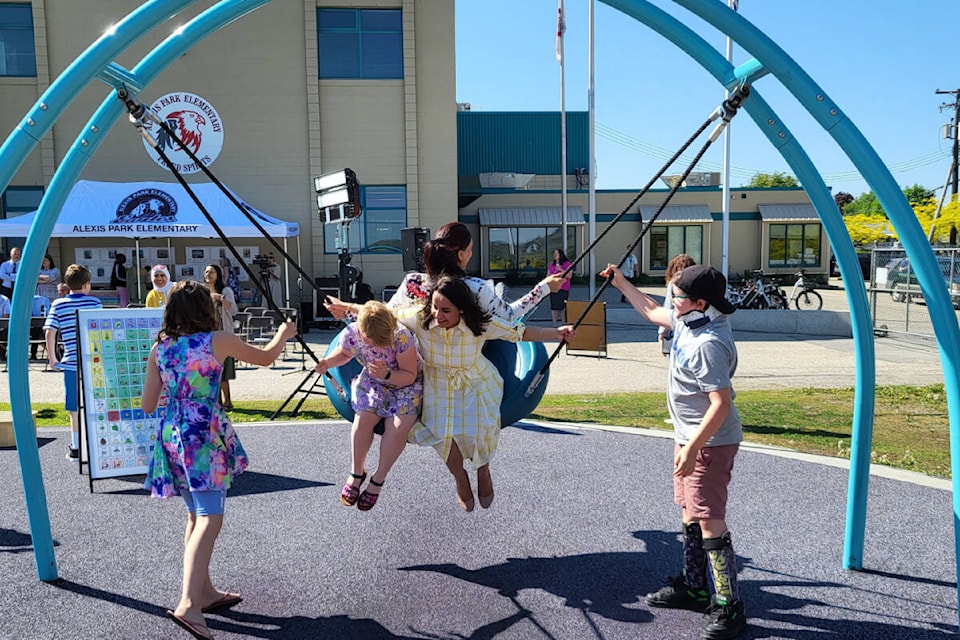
<point x="911" y="428"/>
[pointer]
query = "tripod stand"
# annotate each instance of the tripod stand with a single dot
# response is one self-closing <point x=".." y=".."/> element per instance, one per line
<point x="347" y="275"/>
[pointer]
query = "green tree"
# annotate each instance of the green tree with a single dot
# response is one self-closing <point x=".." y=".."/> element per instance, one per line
<point x="918" y="195"/>
<point x="775" y="179"/>
<point x="866" y="204"/>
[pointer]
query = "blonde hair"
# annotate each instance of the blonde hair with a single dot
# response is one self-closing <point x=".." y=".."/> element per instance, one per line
<point x="377" y="323"/>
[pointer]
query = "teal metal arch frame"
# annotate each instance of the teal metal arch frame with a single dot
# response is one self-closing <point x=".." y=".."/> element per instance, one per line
<point x="95" y="63"/>
<point x="780" y="137"/>
<point x="776" y="62"/>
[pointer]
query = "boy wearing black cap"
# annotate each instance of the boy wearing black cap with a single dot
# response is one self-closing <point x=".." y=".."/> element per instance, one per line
<point x="707" y="434"/>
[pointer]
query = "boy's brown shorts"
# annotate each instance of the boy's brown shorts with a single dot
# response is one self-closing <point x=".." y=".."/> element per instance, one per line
<point x="703" y="494"/>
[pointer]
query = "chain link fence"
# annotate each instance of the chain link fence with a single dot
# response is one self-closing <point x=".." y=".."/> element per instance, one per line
<point x="896" y="301"/>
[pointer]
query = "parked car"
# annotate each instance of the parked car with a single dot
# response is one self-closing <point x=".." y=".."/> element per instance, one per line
<point x="903" y="284"/>
<point x="863" y="258"/>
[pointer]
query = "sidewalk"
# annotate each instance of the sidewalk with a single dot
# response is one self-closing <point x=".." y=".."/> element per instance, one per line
<point x="633" y="363"/>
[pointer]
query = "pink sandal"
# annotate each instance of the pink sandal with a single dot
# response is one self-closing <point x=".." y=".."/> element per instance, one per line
<point x="350" y="493"/>
<point x="367" y="499"/>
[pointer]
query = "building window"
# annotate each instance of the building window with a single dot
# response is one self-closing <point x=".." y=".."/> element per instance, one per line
<point x="360" y="43"/>
<point x="795" y="245"/>
<point x="526" y="250"/>
<point x="17" y="55"/>
<point x="668" y="241"/>
<point x="377" y="230"/>
<point x="17" y="201"/>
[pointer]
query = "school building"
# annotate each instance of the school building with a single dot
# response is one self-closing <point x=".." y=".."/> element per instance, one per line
<point x="297" y="89"/>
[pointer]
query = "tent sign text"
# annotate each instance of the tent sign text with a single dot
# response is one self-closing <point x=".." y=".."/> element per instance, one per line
<point x="139" y="228"/>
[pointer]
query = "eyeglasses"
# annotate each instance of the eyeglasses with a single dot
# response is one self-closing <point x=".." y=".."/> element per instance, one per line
<point x="680" y="296"/>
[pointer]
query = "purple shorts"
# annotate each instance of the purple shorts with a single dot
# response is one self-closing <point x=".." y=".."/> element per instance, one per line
<point x="703" y="494"/>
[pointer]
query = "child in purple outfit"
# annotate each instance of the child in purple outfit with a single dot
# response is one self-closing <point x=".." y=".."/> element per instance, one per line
<point x="389" y="386"/>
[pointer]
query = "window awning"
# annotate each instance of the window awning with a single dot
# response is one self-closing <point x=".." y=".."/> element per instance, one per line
<point x="785" y="212"/>
<point x="528" y="216"/>
<point x="679" y="213"/>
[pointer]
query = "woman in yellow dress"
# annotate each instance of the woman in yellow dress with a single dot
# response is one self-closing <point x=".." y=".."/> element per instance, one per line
<point x="462" y="390"/>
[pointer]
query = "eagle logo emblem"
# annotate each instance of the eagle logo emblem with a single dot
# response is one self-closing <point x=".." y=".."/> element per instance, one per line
<point x="195" y="122"/>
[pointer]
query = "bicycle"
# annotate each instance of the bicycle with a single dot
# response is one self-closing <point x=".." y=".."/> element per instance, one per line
<point x="803" y="295"/>
<point x="761" y="294"/>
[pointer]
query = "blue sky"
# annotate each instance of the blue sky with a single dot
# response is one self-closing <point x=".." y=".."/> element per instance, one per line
<point x="881" y="62"/>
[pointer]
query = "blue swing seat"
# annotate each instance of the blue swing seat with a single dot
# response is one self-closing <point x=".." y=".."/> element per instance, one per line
<point x="517" y="363"/>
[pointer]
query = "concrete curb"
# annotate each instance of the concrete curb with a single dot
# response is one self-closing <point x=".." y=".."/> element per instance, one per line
<point x="784" y="322"/>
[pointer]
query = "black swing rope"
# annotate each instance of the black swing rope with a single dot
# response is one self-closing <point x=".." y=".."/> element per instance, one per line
<point x="726" y="111"/>
<point x="138" y="112"/>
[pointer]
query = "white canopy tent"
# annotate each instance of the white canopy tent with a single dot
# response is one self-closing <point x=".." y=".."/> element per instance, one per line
<point x="153" y="210"/>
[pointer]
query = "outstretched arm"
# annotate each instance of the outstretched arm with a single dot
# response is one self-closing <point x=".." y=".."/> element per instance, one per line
<point x="228" y="344"/>
<point x="644" y="304"/>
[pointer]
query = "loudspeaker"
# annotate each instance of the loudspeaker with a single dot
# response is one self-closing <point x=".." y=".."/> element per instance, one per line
<point x="411" y="241"/>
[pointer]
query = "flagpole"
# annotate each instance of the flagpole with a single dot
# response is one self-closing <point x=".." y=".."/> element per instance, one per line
<point x="561" y="27"/>
<point x="591" y="173"/>
<point x="725" y="224"/>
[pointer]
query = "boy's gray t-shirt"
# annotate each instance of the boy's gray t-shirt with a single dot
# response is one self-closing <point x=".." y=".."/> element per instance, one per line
<point x="702" y="360"/>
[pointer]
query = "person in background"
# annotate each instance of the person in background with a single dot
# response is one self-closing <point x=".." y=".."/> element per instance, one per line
<point x="39" y="310"/>
<point x="160" y="277"/>
<point x="4" y="313"/>
<point x="8" y="273"/>
<point x="707" y="434"/>
<point x="62" y="317"/>
<point x="677" y="264"/>
<point x="118" y="279"/>
<point x="62" y="290"/>
<point x="558" y="299"/>
<point x="49" y="278"/>
<point x="225" y="304"/>
<point x="197" y="454"/>
<point x="231" y="275"/>
<point x="629" y="270"/>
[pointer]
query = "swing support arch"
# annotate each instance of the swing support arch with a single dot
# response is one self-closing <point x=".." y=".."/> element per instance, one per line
<point x="95" y="62"/>
<point x="773" y="60"/>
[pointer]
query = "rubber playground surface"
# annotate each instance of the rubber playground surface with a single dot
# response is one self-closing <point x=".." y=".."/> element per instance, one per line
<point x="582" y="527"/>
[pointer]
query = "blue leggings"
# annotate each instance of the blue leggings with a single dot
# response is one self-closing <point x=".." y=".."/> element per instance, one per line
<point x="205" y="503"/>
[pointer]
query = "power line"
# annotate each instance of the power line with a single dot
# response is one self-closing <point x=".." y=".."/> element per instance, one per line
<point x="647" y="148"/>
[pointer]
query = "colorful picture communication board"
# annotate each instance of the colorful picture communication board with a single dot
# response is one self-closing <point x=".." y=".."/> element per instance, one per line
<point x="113" y="346"/>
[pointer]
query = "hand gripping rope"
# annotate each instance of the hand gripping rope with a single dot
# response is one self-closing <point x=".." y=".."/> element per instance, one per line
<point x="139" y="115"/>
<point x="726" y="111"/>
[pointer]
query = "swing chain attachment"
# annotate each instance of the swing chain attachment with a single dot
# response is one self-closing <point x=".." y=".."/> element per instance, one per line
<point x="139" y="114"/>
<point x="730" y="107"/>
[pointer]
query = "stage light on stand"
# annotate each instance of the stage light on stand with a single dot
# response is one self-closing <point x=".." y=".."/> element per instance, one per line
<point x="338" y="196"/>
<point x="338" y="199"/>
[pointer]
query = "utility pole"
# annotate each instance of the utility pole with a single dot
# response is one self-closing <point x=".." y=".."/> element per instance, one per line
<point x="956" y="132"/>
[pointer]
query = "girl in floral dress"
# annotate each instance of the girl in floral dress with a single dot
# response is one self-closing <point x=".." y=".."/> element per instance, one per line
<point x="389" y="386"/>
<point x="198" y="453"/>
<point x="462" y="390"/>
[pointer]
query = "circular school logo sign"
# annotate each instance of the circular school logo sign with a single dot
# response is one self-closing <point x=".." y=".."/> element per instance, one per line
<point x="195" y="122"/>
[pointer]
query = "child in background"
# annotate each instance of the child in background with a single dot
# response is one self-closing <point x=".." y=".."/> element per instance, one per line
<point x="62" y="317"/>
<point x="462" y="390"/>
<point x="390" y="386"/>
<point x="197" y="453"/>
